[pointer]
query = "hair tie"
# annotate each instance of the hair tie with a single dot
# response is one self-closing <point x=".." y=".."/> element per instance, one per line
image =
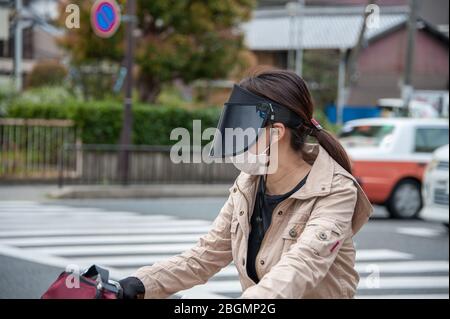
<point x="316" y="124"/>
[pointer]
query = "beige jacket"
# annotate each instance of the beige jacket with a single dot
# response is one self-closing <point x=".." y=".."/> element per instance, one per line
<point x="307" y="251"/>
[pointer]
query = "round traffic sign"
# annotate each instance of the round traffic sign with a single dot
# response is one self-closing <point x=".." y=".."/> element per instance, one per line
<point x="105" y="17"/>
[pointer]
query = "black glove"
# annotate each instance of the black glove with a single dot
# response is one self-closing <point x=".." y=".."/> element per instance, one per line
<point x="132" y="288"/>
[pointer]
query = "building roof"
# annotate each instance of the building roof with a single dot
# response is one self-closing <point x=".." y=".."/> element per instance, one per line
<point x="323" y="28"/>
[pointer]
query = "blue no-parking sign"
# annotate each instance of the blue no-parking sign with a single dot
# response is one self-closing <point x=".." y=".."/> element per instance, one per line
<point x="105" y="18"/>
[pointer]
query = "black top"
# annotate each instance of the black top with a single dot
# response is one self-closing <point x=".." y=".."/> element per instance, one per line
<point x="260" y="222"/>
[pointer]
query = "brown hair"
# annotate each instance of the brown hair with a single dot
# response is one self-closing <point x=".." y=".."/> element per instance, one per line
<point x="289" y="89"/>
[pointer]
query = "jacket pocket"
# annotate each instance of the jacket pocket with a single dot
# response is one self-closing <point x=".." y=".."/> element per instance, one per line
<point x="234" y="227"/>
<point x="291" y="234"/>
<point x="324" y="238"/>
<point x="234" y="241"/>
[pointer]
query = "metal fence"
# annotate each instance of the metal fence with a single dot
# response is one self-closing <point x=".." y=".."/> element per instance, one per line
<point x="30" y="148"/>
<point x="37" y="150"/>
<point x="100" y="164"/>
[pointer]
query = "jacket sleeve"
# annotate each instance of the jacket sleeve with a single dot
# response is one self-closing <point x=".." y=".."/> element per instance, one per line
<point x="307" y="261"/>
<point x="194" y="266"/>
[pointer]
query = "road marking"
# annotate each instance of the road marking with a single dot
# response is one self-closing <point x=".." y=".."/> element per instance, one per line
<point x="413" y="296"/>
<point x="380" y="254"/>
<point x="413" y="282"/>
<point x="404" y="266"/>
<point x="117" y="231"/>
<point x="420" y="232"/>
<point x="112" y="249"/>
<point x="69" y="225"/>
<point x="38" y="209"/>
<point x="50" y="217"/>
<point x="101" y="239"/>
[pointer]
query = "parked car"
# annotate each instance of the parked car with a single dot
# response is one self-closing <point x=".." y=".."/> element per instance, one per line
<point x="389" y="157"/>
<point x="436" y="188"/>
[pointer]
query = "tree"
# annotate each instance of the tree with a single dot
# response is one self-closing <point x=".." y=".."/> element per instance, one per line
<point x="177" y="39"/>
<point x="321" y="72"/>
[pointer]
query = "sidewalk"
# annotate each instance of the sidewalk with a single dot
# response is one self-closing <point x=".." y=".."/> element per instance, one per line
<point x="48" y="192"/>
<point x="141" y="191"/>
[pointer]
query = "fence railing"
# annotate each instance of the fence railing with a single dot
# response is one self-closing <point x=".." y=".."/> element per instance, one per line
<point x="48" y="151"/>
<point x="100" y="164"/>
<point x="30" y="148"/>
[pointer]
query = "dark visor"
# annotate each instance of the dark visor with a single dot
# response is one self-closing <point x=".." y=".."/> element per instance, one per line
<point x="241" y="121"/>
<point x="239" y="127"/>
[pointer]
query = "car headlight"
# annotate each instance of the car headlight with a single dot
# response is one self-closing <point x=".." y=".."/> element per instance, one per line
<point x="432" y="165"/>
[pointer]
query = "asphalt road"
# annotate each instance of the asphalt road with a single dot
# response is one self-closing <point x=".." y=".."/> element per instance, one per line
<point x="396" y="259"/>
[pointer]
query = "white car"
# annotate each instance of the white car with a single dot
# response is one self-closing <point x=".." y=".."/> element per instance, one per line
<point x="389" y="156"/>
<point x="436" y="188"/>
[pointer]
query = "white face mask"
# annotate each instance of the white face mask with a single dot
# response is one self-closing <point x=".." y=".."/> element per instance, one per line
<point x="256" y="164"/>
<point x="252" y="164"/>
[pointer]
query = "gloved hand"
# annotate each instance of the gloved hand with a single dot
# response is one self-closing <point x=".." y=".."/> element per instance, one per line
<point x="132" y="288"/>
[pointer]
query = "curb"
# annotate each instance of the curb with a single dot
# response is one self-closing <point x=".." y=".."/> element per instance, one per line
<point x="147" y="191"/>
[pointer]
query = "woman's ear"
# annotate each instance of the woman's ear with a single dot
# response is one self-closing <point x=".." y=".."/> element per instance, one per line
<point x="280" y="131"/>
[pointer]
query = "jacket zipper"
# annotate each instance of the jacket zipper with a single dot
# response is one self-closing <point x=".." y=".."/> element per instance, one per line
<point x="248" y="203"/>
<point x="264" y="239"/>
<point x="248" y="222"/>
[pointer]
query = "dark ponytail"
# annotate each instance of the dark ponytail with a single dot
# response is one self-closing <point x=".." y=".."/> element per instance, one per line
<point x="290" y="90"/>
<point x="334" y="148"/>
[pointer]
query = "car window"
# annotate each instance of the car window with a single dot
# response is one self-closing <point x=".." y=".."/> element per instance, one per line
<point x="365" y="135"/>
<point x="429" y="139"/>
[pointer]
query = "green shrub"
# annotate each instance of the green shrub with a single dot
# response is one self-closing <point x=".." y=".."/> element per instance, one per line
<point x="46" y="73"/>
<point x="100" y="122"/>
<point x="45" y="95"/>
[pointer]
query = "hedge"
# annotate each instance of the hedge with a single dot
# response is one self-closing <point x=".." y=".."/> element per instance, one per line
<point x="100" y="122"/>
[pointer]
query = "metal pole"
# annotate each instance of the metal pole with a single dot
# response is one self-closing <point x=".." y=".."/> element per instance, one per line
<point x="299" y="55"/>
<point x="291" y="8"/>
<point x="291" y="43"/>
<point x="18" y="47"/>
<point x="350" y="72"/>
<point x="127" y="124"/>
<point x="342" y="90"/>
<point x="407" y="88"/>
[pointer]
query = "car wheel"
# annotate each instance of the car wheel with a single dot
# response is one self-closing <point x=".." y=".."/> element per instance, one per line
<point x="405" y="201"/>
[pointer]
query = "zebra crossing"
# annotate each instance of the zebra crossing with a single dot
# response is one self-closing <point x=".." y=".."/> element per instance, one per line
<point x="123" y="241"/>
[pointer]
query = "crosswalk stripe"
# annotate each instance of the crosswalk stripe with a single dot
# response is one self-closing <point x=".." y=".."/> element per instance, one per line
<point x="403" y="267"/>
<point x="87" y="224"/>
<point x="411" y="296"/>
<point x="101" y="239"/>
<point x="380" y="254"/>
<point x="419" y="231"/>
<point x="117" y="231"/>
<point x="112" y="250"/>
<point x="413" y="282"/>
<point x="18" y="202"/>
<point x="38" y="209"/>
<point x="19" y="216"/>
<point x="50" y="217"/>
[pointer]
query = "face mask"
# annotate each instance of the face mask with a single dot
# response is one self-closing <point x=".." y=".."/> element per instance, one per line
<point x="253" y="164"/>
